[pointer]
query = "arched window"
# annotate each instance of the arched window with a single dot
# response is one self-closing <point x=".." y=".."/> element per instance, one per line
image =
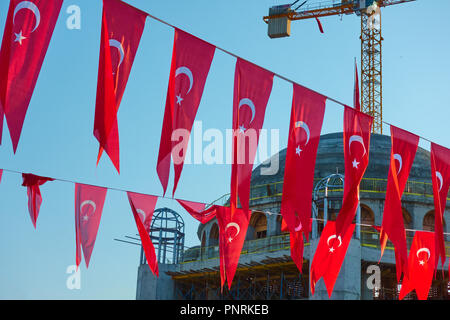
<point x="428" y="222"/>
<point x="367" y="217"/>
<point x="214" y="235"/>
<point x="258" y="222"/>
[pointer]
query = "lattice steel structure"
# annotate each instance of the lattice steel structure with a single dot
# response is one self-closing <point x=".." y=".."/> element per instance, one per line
<point x="371" y="68"/>
<point x="167" y="235"/>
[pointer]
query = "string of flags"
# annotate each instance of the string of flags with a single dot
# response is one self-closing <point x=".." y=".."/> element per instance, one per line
<point x="28" y="31"/>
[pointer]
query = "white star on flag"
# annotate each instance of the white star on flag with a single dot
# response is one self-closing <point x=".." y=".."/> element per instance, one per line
<point x="19" y="37"/>
<point x="242" y="128"/>
<point x="355" y="164"/>
<point x="85" y="218"/>
<point x="331" y="249"/>
<point x="179" y="99"/>
<point x="421" y="262"/>
<point x="298" y="150"/>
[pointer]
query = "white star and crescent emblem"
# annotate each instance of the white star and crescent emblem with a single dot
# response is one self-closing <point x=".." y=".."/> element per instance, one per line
<point x="422" y="262"/>
<point x="186" y="71"/>
<point x="251" y="105"/>
<point x="236" y="226"/>
<point x="86" y="215"/>
<point x="359" y="139"/>
<point x="35" y="10"/>
<point x="334" y="237"/>
<point x="304" y="126"/>
<point x="116" y="44"/>
<point x="399" y="158"/>
<point x="142" y="214"/>
<point x="441" y="180"/>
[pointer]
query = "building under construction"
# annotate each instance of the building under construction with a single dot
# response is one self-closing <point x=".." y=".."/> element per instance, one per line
<point x="266" y="270"/>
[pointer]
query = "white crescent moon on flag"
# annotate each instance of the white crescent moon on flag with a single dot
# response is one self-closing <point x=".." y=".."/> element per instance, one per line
<point x="400" y="160"/>
<point x="141" y="214"/>
<point x="233" y="224"/>
<point x="424" y="250"/>
<point x="116" y="44"/>
<point x="333" y="237"/>
<point x="30" y="6"/>
<point x="301" y="124"/>
<point x="88" y="202"/>
<point x="441" y="180"/>
<point x="299" y="227"/>
<point x="249" y="103"/>
<point x="357" y="139"/>
<point x="186" y="71"/>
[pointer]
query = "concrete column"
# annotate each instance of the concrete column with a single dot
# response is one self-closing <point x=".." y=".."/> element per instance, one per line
<point x="150" y="287"/>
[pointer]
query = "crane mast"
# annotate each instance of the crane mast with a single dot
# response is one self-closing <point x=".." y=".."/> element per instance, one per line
<point x="279" y="20"/>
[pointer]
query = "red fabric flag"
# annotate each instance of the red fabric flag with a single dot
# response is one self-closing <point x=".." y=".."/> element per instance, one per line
<point x="1" y="174"/>
<point x="28" y="30"/>
<point x="143" y="207"/>
<point x="32" y="182"/>
<point x="252" y="88"/>
<point x="122" y="27"/>
<point x="356" y="99"/>
<point x="440" y="175"/>
<point x="329" y="255"/>
<point x="357" y="128"/>
<point x="191" y="61"/>
<point x="89" y="201"/>
<point x="232" y="231"/>
<point x="319" y="24"/>
<point x="421" y="266"/>
<point x="308" y="109"/>
<point x="403" y="150"/>
<point x="197" y="210"/>
<point x="297" y="245"/>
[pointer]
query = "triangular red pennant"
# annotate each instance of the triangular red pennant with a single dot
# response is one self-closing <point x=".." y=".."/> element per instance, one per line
<point x="329" y="256"/>
<point x="89" y="201"/>
<point x="403" y="151"/>
<point x="143" y="207"/>
<point x="32" y="182"/>
<point x="122" y="27"/>
<point x="421" y="266"/>
<point x="191" y="61"/>
<point x="28" y="30"/>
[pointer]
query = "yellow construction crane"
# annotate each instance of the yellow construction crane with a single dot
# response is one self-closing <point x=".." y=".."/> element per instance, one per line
<point x="279" y="25"/>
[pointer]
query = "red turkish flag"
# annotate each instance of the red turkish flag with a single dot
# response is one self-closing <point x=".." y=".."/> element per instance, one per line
<point x="308" y="109"/>
<point x="143" y="207"/>
<point x="421" y="266"/>
<point x="1" y="174"/>
<point x="329" y="255"/>
<point x="28" y="30"/>
<point x="356" y="99"/>
<point x="89" y="201"/>
<point x="252" y="88"/>
<point x="197" y="210"/>
<point x="232" y="231"/>
<point x="122" y="27"/>
<point x="297" y="244"/>
<point x="191" y="61"/>
<point x="32" y="182"/>
<point x="440" y="176"/>
<point x="357" y="128"/>
<point x="403" y="150"/>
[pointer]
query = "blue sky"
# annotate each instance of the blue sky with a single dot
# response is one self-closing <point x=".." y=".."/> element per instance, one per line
<point x="57" y="139"/>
